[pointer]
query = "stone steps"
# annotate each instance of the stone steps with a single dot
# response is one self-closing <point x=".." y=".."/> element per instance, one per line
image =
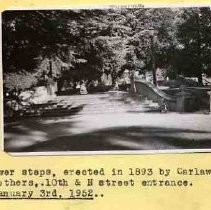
<point x="110" y="102"/>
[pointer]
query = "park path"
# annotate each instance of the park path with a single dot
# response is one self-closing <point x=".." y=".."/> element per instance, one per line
<point x="111" y="121"/>
<point x="109" y="102"/>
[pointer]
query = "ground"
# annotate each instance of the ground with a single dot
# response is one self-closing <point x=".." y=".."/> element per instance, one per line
<point x="109" y="122"/>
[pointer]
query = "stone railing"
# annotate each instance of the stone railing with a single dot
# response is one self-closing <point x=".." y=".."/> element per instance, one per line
<point x="149" y="91"/>
<point x="186" y="100"/>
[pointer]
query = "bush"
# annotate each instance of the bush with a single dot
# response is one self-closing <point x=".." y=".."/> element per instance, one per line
<point x="19" y="81"/>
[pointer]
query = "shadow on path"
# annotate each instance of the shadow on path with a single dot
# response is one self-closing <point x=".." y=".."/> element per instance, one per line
<point x="21" y="134"/>
<point x="124" y="138"/>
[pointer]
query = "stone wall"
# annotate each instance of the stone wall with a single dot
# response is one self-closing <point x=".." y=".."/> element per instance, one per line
<point x="149" y="91"/>
<point x="187" y="99"/>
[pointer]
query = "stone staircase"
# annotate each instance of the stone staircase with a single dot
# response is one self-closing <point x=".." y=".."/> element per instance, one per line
<point x="109" y="102"/>
<point x="153" y="93"/>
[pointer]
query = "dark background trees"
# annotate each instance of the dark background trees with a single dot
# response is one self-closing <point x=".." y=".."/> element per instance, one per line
<point x="194" y="35"/>
<point x="87" y="43"/>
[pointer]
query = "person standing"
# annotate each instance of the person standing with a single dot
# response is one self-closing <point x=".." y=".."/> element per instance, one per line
<point x="83" y="90"/>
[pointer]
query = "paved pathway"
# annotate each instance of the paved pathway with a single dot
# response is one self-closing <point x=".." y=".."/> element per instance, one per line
<point x="108" y="122"/>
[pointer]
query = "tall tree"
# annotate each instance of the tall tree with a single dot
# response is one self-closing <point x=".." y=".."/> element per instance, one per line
<point x="194" y="34"/>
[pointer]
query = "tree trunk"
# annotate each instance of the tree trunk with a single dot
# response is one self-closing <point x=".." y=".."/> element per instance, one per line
<point x="200" y="80"/>
<point x="153" y="62"/>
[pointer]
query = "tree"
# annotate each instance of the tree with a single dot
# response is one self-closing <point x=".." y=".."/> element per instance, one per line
<point x="194" y="34"/>
<point x="87" y="43"/>
<point x="31" y="37"/>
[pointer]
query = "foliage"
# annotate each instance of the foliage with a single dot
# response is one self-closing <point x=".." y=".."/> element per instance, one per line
<point x="194" y="34"/>
<point x="19" y="81"/>
<point x="86" y="43"/>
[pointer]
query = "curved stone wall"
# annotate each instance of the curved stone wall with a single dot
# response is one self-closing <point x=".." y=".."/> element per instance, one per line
<point x="149" y="91"/>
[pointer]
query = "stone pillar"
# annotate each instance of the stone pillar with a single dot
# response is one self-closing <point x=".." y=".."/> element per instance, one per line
<point x="209" y="93"/>
<point x="182" y="96"/>
<point x="132" y="83"/>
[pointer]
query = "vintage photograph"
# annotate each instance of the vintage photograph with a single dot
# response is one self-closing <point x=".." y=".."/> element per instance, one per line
<point x="109" y="80"/>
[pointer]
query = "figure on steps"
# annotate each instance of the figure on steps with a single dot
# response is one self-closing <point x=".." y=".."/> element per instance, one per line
<point x="83" y="90"/>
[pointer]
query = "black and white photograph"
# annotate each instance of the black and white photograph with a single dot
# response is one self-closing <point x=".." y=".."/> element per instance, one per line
<point x="107" y="80"/>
